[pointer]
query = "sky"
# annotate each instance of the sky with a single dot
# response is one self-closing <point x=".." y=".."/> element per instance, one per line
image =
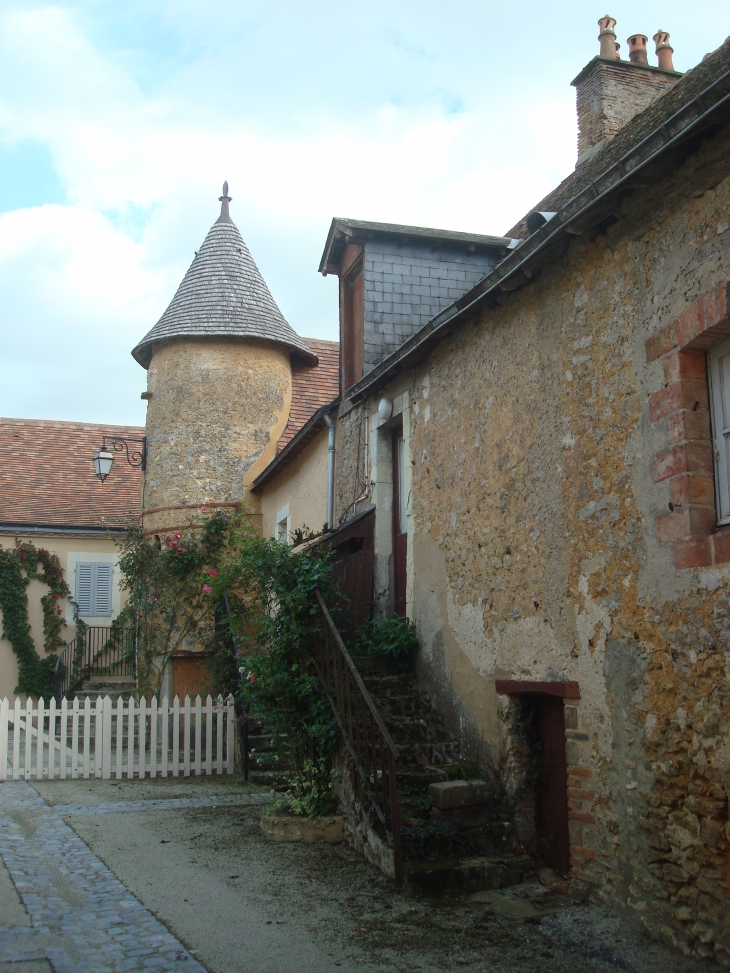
<point x="119" y="122"/>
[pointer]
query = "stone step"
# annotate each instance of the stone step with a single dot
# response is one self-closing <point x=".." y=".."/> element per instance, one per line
<point x="266" y="760"/>
<point x="453" y="794"/>
<point x="468" y="875"/>
<point x="273" y="780"/>
<point x="428" y="754"/>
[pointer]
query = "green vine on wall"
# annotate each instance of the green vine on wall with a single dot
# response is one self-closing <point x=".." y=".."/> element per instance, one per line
<point x="18" y="567"/>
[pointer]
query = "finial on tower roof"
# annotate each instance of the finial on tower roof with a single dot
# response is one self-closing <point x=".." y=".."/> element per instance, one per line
<point x="224" y="200"/>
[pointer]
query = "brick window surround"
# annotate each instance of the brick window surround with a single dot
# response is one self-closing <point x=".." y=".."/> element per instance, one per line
<point x="687" y="460"/>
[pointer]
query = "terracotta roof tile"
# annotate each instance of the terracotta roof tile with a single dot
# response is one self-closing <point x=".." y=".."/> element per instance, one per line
<point x="312" y="385"/>
<point x="47" y="476"/>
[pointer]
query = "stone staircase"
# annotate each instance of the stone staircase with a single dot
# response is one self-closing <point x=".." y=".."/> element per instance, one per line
<point x="112" y="686"/>
<point x="456" y="831"/>
<point x="264" y="768"/>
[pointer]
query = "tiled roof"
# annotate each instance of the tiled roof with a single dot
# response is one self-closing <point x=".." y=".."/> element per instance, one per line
<point x="312" y="386"/>
<point x="642" y="125"/>
<point x="342" y="230"/>
<point x="222" y="295"/>
<point x="47" y="476"/>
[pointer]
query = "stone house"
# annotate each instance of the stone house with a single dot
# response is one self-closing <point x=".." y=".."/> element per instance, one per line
<point x="533" y="427"/>
<point x="547" y="461"/>
<point x="50" y="495"/>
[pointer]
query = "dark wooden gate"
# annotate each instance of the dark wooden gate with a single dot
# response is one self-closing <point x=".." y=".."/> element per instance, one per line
<point x="552" y="790"/>
<point x="353" y="559"/>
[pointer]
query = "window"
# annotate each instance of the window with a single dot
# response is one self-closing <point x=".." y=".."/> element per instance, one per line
<point x="94" y="588"/>
<point x="282" y="525"/>
<point x="718" y="362"/>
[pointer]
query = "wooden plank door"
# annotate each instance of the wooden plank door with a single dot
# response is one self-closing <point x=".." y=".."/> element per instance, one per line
<point x="400" y="526"/>
<point x="552" y="792"/>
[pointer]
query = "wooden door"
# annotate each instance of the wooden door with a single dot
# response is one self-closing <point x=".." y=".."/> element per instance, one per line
<point x="552" y="789"/>
<point x="400" y="526"/>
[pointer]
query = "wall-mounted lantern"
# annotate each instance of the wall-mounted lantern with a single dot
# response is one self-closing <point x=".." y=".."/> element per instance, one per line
<point x="104" y="458"/>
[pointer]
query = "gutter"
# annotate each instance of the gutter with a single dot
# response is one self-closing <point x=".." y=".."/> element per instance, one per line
<point x="330" y="469"/>
<point x="31" y="529"/>
<point x="615" y="178"/>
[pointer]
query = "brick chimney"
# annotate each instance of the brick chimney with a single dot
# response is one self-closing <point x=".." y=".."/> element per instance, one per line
<point x="609" y="91"/>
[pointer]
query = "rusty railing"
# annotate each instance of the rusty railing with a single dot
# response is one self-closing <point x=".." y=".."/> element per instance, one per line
<point x="97" y="651"/>
<point x="367" y="739"/>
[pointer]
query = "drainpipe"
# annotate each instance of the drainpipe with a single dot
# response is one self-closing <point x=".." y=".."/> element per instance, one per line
<point x="330" y="471"/>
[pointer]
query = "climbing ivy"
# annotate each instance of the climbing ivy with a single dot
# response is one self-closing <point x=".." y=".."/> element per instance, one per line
<point x="18" y="567"/>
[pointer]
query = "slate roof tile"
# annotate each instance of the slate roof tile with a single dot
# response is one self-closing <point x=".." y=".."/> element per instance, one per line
<point x="222" y="295"/>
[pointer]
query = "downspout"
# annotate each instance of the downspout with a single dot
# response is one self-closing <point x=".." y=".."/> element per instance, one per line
<point x="330" y="470"/>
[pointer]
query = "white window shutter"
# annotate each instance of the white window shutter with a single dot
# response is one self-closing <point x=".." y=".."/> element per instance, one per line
<point x="103" y="589"/>
<point x="85" y="588"/>
<point x="719" y="372"/>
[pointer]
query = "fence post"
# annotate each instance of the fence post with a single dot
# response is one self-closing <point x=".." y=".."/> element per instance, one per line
<point x="75" y="739"/>
<point x="186" y="738"/>
<point x="153" y="738"/>
<point x="98" y="737"/>
<point x="63" y="737"/>
<point x="120" y="738"/>
<point x="39" y="741"/>
<point x="142" y="738"/>
<point x="230" y="754"/>
<point x="52" y="739"/>
<point x="130" y="740"/>
<point x="16" y="740"/>
<point x="4" y="717"/>
<point x="165" y="735"/>
<point x="176" y="737"/>
<point x="209" y="735"/>
<point x="106" y="738"/>
<point x="198" y="734"/>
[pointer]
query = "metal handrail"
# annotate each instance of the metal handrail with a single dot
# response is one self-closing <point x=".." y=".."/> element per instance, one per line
<point x="365" y="734"/>
<point x="97" y="651"/>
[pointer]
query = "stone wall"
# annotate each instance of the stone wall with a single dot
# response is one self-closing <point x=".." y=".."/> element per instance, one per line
<point x="217" y="409"/>
<point x="536" y="556"/>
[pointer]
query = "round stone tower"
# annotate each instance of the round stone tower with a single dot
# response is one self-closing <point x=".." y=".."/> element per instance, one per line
<point x="219" y="384"/>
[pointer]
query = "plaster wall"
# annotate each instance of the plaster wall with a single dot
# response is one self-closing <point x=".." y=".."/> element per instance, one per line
<point x="303" y="486"/>
<point x="535" y="554"/>
<point x="217" y="409"/>
<point x="70" y="550"/>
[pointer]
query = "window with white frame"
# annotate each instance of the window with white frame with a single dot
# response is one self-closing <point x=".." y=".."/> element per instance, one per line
<point x="94" y="588"/>
<point x="718" y="369"/>
<point x="282" y="525"/>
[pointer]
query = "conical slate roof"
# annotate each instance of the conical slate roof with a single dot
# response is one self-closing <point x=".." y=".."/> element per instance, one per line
<point x="223" y="295"/>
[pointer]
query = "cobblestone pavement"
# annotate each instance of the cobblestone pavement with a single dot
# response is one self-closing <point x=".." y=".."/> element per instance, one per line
<point x="81" y="917"/>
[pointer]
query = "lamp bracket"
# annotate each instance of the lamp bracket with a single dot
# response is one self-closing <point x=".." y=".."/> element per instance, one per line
<point x="136" y="456"/>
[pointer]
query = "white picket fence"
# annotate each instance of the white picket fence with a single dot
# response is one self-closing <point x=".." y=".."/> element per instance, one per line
<point x="104" y="739"/>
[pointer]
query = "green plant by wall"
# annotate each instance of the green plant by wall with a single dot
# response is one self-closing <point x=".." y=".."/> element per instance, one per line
<point x="168" y="581"/>
<point x="274" y="619"/>
<point x="18" y="567"/>
<point x="393" y="639"/>
<point x="258" y="648"/>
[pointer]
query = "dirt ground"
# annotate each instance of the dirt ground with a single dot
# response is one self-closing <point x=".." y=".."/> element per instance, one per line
<point x="244" y="905"/>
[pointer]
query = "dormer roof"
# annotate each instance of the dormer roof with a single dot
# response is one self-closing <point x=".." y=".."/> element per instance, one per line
<point x="223" y="295"/>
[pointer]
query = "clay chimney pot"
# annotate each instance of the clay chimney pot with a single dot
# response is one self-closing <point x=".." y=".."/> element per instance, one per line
<point x="637" y="49"/>
<point x="616" y="54"/>
<point x="607" y="37"/>
<point x="664" y="50"/>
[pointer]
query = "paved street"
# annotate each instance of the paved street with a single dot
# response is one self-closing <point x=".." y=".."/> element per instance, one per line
<point x="175" y="875"/>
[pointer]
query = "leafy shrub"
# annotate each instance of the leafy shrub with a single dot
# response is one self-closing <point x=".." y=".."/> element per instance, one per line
<point x="312" y="792"/>
<point x="393" y="639"/>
